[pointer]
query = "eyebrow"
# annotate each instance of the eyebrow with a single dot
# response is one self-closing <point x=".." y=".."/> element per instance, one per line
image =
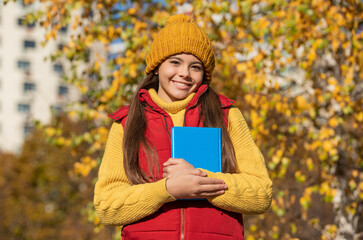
<point x="183" y="61"/>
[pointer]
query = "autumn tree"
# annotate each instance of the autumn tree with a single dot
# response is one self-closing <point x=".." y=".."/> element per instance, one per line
<point x="41" y="195"/>
<point x="294" y="67"/>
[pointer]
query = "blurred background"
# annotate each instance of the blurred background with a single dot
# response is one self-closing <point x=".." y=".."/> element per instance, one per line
<point x="294" y="67"/>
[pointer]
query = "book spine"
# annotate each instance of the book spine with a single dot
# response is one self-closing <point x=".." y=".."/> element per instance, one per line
<point x="172" y="142"/>
<point x="220" y="149"/>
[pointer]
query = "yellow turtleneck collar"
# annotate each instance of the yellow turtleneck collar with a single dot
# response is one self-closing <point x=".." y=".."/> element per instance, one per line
<point x="172" y="107"/>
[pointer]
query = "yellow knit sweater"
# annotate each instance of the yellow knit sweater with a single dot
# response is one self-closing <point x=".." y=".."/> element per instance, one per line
<point x="119" y="203"/>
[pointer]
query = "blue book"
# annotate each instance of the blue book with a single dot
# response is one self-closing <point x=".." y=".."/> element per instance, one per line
<point x="199" y="146"/>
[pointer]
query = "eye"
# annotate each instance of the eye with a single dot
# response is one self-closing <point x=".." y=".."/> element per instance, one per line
<point x="174" y="62"/>
<point x="197" y="67"/>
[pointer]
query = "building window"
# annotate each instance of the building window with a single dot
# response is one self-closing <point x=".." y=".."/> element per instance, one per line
<point x="25" y="108"/>
<point x="27" y="129"/>
<point x="60" y="46"/>
<point x="22" y="22"/>
<point x="28" y="87"/>
<point x="58" y="68"/>
<point x="25" y="65"/>
<point x="29" y="44"/>
<point x="25" y="3"/>
<point x="56" y="109"/>
<point x="64" y="29"/>
<point x="62" y="91"/>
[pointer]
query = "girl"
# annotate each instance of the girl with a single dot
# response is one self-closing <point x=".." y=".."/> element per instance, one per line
<point x="139" y="184"/>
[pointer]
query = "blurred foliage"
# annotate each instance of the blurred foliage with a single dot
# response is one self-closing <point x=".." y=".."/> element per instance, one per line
<point x="42" y="197"/>
<point x="294" y="67"/>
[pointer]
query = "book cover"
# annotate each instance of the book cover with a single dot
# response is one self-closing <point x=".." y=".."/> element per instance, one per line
<point x="200" y="146"/>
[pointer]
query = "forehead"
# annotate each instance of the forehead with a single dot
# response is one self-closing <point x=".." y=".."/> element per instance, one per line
<point x="185" y="57"/>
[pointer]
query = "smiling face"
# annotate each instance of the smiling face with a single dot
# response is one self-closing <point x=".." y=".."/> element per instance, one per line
<point x="179" y="76"/>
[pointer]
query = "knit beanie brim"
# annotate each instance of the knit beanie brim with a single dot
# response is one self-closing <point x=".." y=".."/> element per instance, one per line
<point x="181" y="35"/>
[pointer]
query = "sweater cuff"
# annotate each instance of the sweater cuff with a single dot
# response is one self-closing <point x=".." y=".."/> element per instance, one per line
<point x="160" y="191"/>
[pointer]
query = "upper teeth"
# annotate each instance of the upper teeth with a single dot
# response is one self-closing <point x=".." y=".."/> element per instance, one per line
<point x="182" y="84"/>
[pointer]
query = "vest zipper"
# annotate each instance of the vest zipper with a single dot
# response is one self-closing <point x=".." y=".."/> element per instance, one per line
<point x="166" y="125"/>
<point x="182" y="224"/>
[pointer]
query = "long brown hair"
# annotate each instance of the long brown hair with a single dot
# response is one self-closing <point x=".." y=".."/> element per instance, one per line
<point x="210" y="113"/>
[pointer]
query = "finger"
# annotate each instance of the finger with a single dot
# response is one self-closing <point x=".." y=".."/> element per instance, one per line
<point x="210" y="181"/>
<point x="202" y="174"/>
<point x="196" y="172"/>
<point x="212" y="194"/>
<point x="173" y="161"/>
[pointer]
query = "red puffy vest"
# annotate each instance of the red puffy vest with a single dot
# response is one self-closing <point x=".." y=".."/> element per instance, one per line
<point x="182" y="219"/>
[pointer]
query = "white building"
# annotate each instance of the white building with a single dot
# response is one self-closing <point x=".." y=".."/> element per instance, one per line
<point x="30" y="86"/>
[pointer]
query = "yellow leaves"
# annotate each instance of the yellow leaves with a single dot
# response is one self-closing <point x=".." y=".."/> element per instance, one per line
<point x="241" y="67"/>
<point x="256" y="120"/>
<point x="81" y="86"/>
<point x="333" y="122"/>
<point x="263" y="23"/>
<point x="299" y="177"/>
<point x="359" y="116"/>
<point x="131" y="11"/>
<point x="325" y="133"/>
<point x="311" y="55"/>
<point x="293" y="228"/>
<point x="241" y="34"/>
<point x="160" y="17"/>
<point x="110" y="32"/>
<point x="349" y="76"/>
<point x="50" y="132"/>
<point x="260" y="26"/>
<point x="75" y="22"/>
<point x="360" y="186"/>
<point x="238" y="20"/>
<point x="302" y="103"/>
<point x="89" y="40"/>
<point x="99" y="6"/>
<point x="331" y="229"/>
<point x="352" y="184"/>
<point x="253" y="228"/>
<point x="328" y="191"/>
<point x="274" y="27"/>
<point x="132" y="70"/>
<point x="351" y="208"/>
<point x="327" y="145"/>
<point x="335" y="44"/>
<point x="140" y="26"/>
<point x="310" y="164"/>
<point x="85" y="166"/>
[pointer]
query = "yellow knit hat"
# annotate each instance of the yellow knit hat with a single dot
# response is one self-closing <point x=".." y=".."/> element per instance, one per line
<point x="181" y="35"/>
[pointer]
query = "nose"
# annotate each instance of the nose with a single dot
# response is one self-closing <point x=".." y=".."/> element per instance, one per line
<point x="184" y="72"/>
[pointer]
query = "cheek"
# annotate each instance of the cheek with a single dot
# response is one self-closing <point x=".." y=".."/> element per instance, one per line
<point x="198" y="78"/>
<point x="167" y="72"/>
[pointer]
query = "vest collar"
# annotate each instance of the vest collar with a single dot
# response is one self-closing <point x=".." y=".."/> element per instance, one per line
<point x="145" y="97"/>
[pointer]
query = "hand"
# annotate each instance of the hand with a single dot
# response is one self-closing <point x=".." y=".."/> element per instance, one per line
<point x="193" y="183"/>
<point x="174" y="165"/>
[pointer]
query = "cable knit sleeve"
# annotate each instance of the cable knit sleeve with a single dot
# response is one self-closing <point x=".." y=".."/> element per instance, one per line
<point x="250" y="190"/>
<point x="116" y="201"/>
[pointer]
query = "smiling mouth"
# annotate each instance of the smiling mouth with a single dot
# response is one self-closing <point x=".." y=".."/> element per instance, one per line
<point x="181" y="84"/>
